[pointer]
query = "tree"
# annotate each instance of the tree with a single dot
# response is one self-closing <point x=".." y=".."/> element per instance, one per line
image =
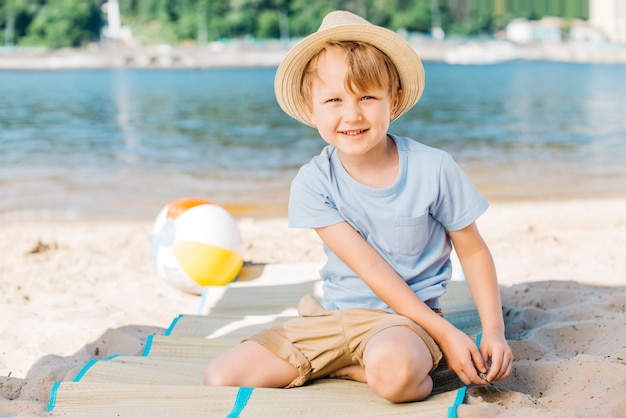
<point x="65" y="23"/>
<point x="59" y="23"/>
<point x="15" y="18"/>
<point x="268" y="25"/>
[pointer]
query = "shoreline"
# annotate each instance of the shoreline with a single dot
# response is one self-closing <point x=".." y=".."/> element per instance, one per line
<point x="265" y="211"/>
<point x="270" y="54"/>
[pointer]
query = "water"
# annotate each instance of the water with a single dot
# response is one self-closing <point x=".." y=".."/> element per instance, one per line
<point x="121" y="143"/>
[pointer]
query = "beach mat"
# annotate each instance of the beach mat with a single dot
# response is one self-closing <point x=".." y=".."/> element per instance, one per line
<point x="324" y="398"/>
<point x="166" y="380"/>
<point x="181" y="361"/>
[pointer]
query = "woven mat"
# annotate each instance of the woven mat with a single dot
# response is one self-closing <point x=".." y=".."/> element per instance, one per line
<point x="167" y="379"/>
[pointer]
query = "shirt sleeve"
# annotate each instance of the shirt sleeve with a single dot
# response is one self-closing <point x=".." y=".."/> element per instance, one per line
<point x="458" y="202"/>
<point x="311" y="204"/>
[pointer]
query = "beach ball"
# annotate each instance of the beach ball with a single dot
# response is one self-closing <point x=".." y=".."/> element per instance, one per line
<point x="196" y="243"/>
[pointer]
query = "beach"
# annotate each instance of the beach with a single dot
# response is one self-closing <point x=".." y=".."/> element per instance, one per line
<point x="92" y="151"/>
<point x="77" y="289"/>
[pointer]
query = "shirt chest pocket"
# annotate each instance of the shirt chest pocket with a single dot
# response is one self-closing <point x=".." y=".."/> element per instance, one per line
<point x="411" y="234"/>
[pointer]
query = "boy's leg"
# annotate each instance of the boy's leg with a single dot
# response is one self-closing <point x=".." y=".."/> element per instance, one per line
<point x="252" y="365"/>
<point x="398" y="364"/>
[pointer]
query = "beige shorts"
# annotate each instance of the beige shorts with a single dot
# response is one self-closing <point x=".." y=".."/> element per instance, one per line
<point x="318" y="342"/>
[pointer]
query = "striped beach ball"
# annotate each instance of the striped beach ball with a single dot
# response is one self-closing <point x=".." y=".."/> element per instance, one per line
<point x="196" y="243"/>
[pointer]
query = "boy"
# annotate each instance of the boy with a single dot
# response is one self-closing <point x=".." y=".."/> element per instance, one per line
<point x="387" y="210"/>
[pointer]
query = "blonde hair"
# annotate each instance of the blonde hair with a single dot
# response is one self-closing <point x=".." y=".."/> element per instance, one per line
<point x="368" y="67"/>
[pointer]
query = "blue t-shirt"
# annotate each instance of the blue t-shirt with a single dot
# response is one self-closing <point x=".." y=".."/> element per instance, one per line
<point x="406" y="223"/>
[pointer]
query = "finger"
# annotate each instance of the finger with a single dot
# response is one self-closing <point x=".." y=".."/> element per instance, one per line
<point x="478" y="378"/>
<point x="505" y="368"/>
<point x="466" y="380"/>
<point x="496" y="366"/>
<point x="470" y="376"/>
<point x="485" y="353"/>
<point x="467" y="372"/>
<point x="479" y="362"/>
<point x="474" y="375"/>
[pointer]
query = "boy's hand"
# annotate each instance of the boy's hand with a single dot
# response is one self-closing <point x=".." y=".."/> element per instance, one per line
<point x="471" y="364"/>
<point x="463" y="357"/>
<point x="493" y="346"/>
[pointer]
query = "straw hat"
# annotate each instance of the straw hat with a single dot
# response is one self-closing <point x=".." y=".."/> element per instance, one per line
<point x="345" y="26"/>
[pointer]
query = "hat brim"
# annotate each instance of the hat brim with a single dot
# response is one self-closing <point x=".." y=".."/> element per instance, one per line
<point x="288" y="79"/>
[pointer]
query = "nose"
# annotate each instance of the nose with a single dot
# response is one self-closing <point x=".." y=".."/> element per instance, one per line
<point x="352" y="111"/>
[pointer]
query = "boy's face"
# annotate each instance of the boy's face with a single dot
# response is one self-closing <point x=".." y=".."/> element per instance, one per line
<point x="353" y="123"/>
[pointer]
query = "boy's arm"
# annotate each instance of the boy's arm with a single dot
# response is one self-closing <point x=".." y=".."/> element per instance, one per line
<point x="480" y="272"/>
<point x="460" y="352"/>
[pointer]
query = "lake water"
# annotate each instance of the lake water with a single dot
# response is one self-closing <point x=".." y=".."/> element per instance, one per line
<point x="122" y="143"/>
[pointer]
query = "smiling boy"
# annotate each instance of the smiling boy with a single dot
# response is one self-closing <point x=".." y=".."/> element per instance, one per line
<point x="388" y="210"/>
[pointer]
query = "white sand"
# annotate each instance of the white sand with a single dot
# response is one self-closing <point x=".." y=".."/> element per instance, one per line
<point x="93" y="292"/>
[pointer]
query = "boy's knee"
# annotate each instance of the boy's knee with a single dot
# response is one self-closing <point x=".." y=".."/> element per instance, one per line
<point x="398" y="378"/>
<point x="213" y="376"/>
<point x="400" y="384"/>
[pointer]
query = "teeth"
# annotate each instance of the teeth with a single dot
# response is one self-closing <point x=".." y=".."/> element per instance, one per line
<point x="353" y="132"/>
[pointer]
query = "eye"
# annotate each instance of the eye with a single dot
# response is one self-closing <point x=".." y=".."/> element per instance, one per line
<point x="333" y="100"/>
<point x="367" y="98"/>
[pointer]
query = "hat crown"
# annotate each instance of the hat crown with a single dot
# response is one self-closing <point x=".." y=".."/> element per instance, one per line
<point x="341" y="18"/>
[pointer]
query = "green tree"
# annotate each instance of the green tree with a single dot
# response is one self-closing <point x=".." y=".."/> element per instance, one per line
<point x="58" y="23"/>
<point x="412" y="15"/>
<point x="305" y="16"/>
<point x="268" y="24"/>
<point x="185" y="19"/>
<point x="215" y="24"/>
<point x="65" y="23"/>
<point x="15" y="18"/>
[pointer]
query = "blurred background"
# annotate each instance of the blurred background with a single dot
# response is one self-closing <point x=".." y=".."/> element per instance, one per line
<point x="73" y="23"/>
<point x="111" y="109"/>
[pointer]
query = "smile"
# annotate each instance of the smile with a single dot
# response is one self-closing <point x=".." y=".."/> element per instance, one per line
<point x="353" y="133"/>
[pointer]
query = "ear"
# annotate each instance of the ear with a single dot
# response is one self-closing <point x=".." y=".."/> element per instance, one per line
<point x="394" y="105"/>
<point x="310" y="115"/>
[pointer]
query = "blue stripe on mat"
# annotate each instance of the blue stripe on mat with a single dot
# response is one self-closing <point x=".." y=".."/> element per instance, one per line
<point x="148" y="346"/>
<point x="82" y="372"/>
<point x="53" y="397"/>
<point x="460" y="398"/>
<point x="460" y="395"/>
<point x="79" y="376"/>
<point x="243" y="395"/>
<point x="172" y="325"/>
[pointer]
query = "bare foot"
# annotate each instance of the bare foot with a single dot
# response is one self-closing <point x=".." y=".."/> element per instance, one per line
<point x="353" y="372"/>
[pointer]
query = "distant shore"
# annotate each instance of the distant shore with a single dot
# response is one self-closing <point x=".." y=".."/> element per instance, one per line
<point x="269" y="54"/>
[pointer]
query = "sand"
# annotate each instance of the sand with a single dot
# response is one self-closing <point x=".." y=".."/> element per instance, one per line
<point x="72" y="290"/>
